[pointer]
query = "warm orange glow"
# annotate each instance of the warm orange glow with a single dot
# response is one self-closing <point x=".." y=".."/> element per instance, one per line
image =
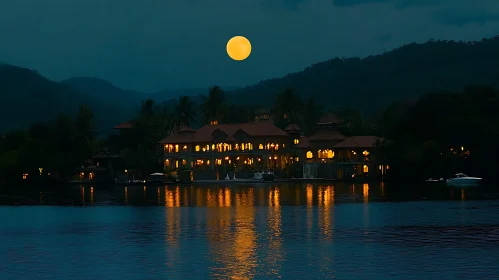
<point x="210" y="199"/>
<point x="310" y="195"/>
<point x="197" y="148"/>
<point x="309" y="155"/>
<point x="260" y="147"/>
<point x="275" y="239"/>
<point x="176" y="148"/>
<point x="326" y="200"/>
<point x="365" y="168"/>
<point x="365" y="192"/>
<point x="25" y="176"/>
<point x="325" y="154"/>
<point x="365" y="153"/>
<point x="126" y="195"/>
<point x="296" y="141"/>
<point x="227" y="201"/>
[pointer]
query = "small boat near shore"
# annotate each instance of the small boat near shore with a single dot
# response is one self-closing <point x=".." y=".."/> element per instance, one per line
<point x="463" y="180"/>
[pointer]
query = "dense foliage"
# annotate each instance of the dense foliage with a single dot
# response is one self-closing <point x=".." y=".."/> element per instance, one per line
<point x="440" y="134"/>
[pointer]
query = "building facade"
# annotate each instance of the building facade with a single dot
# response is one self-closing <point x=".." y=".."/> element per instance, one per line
<point x="329" y="154"/>
<point x="217" y="150"/>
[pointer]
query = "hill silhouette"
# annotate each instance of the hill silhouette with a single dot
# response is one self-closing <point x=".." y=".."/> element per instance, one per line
<point x="28" y="97"/>
<point x="367" y="84"/>
<point x="375" y="81"/>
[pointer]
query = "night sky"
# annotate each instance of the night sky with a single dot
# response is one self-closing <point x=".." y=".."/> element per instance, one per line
<point x="153" y="45"/>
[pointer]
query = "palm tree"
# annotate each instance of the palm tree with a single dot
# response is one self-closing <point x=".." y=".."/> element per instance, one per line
<point x="147" y="109"/>
<point x="311" y="116"/>
<point x="213" y="105"/>
<point x="287" y="107"/>
<point x="185" y="112"/>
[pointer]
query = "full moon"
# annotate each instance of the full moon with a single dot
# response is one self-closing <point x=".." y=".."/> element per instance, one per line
<point x="238" y="48"/>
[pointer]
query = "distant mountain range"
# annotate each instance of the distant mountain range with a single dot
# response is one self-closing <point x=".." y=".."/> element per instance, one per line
<point x="367" y="84"/>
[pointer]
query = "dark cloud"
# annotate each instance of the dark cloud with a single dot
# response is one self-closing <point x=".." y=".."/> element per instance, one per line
<point x="280" y="4"/>
<point x="399" y="4"/>
<point x="468" y="17"/>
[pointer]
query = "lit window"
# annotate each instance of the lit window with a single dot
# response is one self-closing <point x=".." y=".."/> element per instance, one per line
<point x="366" y="169"/>
<point x="167" y="162"/>
<point x="184" y="148"/>
<point x="184" y="162"/>
<point x="297" y="159"/>
<point x="310" y="155"/>
<point x="260" y="146"/>
<point x="365" y="153"/>
<point x="176" y="164"/>
<point x="197" y="148"/>
<point x="176" y="148"/>
<point x="297" y="141"/>
<point x="25" y="176"/>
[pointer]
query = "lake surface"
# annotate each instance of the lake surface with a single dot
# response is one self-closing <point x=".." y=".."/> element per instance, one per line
<point x="257" y="231"/>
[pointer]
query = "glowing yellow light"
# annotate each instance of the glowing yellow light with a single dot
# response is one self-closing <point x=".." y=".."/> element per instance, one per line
<point x="238" y="48"/>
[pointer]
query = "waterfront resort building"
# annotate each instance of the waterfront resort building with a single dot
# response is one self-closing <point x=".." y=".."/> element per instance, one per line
<point x="329" y="154"/>
<point x="217" y="150"/>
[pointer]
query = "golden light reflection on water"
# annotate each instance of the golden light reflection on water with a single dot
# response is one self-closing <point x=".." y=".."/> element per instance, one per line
<point x="275" y="240"/>
<point x="126" y="195"/>
<point x="233" y="251"/>
<point x="365" y="192"/>
<point x="325" y="196"/>
<point x="365" y="195"/>
<point x="462" y="194"/>
<point x="172" y="216"/>
<point x="83" y="194"/>
<point x="158" y="192"/>
<point x="310" y="197"/>
<point x="172" y="198"/>
<point x="92" y="195"/>
<point x="382" y="188"/>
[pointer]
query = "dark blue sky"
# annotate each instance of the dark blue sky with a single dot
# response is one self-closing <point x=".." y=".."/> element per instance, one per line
<point x="152" y="45"/>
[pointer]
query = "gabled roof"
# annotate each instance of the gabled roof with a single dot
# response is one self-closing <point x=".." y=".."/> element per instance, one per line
<point x="359" y="142"/>
<point x="326" y="135"/>
<point x="329" y="118"/>
<point x="124" y="125"/>
<point x="303" y="143"/>
<point x="205" y="133"/>
<point x="186" y="129"/>
<point x="292" y="127"/>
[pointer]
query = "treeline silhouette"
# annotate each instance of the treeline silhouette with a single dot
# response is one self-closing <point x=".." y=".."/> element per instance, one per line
<point x="435" y="136"/>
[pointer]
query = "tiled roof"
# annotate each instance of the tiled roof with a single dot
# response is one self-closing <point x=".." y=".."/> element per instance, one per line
<point x="326" y="135"/>
<point x="124" y="125"/>
<point x="292" y="127"/>
<point x="205" y="133"/>
<point x="359" y="142"/>
<point x="186" y="129"/>
<point x="329" y="118"/>
<point x="303" y="143"/>
<point x="350" y="142"/>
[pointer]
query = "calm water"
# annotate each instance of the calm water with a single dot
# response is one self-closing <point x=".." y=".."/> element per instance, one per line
<point x="250" y="232"/>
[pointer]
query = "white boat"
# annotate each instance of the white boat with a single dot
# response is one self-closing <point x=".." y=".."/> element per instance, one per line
<point x="263" y="176"/>
<point x="461" y="179"/>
